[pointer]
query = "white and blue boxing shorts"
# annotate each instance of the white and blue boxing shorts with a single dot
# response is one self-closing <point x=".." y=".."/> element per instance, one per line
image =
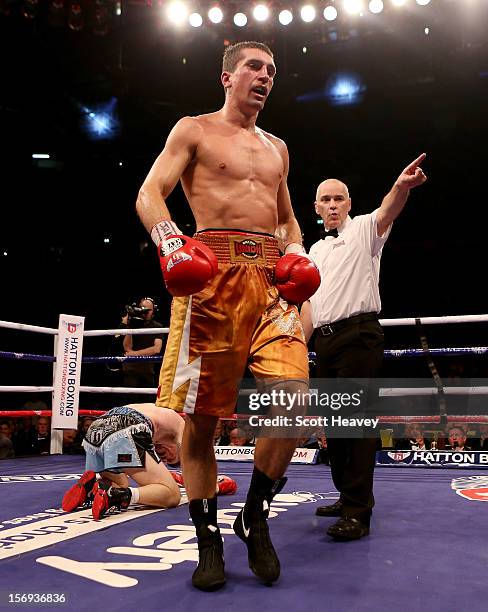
<point x="119" y="440"/>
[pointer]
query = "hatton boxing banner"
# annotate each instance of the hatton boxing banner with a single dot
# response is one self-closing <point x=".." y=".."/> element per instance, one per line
<point x="433" y="458"/>
<point x="68" y="372"/>
<point x="246" y="453"/>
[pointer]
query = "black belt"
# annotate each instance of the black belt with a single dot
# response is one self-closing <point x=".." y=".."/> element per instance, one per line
<point x="332" y="328"/>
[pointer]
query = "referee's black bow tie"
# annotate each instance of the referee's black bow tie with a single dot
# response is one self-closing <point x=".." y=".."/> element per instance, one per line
<point x="333" y="232"/>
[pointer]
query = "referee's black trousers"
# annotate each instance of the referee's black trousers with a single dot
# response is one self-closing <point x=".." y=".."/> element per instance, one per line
<point x="353" y="351"/>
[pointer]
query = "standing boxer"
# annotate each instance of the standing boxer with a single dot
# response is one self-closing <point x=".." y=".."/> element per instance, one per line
<point x="234" y="295"/>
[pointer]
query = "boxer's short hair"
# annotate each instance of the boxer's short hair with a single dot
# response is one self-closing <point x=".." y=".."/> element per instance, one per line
<point x="233" y="53"/>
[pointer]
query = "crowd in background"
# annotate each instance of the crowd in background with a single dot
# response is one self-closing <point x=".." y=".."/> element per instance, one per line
<point x="30" y="435"/>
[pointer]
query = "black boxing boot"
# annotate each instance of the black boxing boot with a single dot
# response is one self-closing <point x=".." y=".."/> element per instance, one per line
<point x="209" y="575"/>
<point x="251" y="525"/>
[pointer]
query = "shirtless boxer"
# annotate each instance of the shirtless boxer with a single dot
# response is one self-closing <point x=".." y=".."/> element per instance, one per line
<point x="228" y="281"/>
<point x="134" y="441"/>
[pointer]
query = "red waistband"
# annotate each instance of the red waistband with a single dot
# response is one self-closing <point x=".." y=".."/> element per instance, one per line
<point x="234" y="246"/>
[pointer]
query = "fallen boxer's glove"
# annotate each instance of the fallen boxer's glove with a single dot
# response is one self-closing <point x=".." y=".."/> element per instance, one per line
<point x="225" y="484"/>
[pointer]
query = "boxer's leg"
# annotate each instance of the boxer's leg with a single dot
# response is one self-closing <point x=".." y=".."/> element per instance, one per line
<point x="200" y="474"/>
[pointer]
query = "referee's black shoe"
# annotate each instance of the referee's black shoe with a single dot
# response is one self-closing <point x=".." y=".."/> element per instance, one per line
<point x="331" y="510"/>
<point x="348" y="528"/>
<point x="252" y="529"/>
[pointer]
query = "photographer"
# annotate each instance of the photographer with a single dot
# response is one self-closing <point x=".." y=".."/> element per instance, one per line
<point x="141" y="374"/>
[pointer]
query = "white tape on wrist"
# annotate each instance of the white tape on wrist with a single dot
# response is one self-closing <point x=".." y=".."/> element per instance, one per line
<point x="162" y="230"/>
<point x="295" y="247"/>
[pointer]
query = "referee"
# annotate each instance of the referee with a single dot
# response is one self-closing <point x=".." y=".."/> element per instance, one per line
<point x="349" y="340"/>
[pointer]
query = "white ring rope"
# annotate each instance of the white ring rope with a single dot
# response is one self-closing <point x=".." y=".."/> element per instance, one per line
<point x="31" y="328"/>
<point x="483" y="318"/>
<point x="124" y="332"/>
<point x="478" y="318"/>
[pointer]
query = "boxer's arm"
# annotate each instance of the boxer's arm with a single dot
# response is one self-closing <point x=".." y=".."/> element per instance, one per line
<point x="288" y="231"/>
<point x="166" y="171"/>
<point x="306" y="318"/>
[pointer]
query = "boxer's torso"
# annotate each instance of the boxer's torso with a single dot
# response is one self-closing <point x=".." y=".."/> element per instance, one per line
<point x="233" y="178"/>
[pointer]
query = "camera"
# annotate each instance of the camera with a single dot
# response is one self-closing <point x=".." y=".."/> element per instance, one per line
<point x="136" y="315"/>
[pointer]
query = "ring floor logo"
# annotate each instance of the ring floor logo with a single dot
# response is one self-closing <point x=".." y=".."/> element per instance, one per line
<point x="474" y="488"/>
<point x="156" y="551"/>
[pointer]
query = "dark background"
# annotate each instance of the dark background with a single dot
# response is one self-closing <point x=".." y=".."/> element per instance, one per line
<point x="420" y="93"/>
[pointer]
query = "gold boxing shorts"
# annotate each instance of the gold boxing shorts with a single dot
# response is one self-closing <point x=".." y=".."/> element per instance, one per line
<point x="238" y="320"/>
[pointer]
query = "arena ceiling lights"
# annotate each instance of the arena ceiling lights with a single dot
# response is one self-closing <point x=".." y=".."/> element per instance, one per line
<point x="179" y="12"/>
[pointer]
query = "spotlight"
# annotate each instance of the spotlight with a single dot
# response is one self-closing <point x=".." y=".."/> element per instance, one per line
<point x="285" y="17"/>
<point x="304" y="49"/>
<point x="330" y="13"/>
<point x="240" y="19"/>
<point x="106" y="240"/>
<point x="118" y="7"/>
<point x="307" y="13"/>
<point x="376" y="6"/>
<point x="344" y="88"/>
<point x="423" y="2"/>
<point x="260" y="12"/>
<point x="353" y="7"/>
<point x="75" y="16"/>
<point x="426" y="31"/>
<point x="215" y="14"/>
<point x="177" y="12"/>
<point x="398" y="2"/>
<point x="101" y="122"/>
<point x="195" y="20"/>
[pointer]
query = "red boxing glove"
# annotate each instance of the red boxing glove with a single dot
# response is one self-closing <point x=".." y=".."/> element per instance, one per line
<point x="297" y="278"/>
<point x="178" y="478"/>
<point x="226" y="485"/>
<point x="187" y="264"/>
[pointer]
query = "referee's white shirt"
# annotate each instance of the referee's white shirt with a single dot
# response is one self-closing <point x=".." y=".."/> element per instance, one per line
<point x="350" y="270"/>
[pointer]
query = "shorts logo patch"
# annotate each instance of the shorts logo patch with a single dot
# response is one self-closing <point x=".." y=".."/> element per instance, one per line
<point x="248" y="248"/>
<point x="124" y="458"/>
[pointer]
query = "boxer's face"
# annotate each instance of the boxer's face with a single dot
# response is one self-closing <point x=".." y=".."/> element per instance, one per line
<point x="332" y="203"/>
<point x="252" y="80"/>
